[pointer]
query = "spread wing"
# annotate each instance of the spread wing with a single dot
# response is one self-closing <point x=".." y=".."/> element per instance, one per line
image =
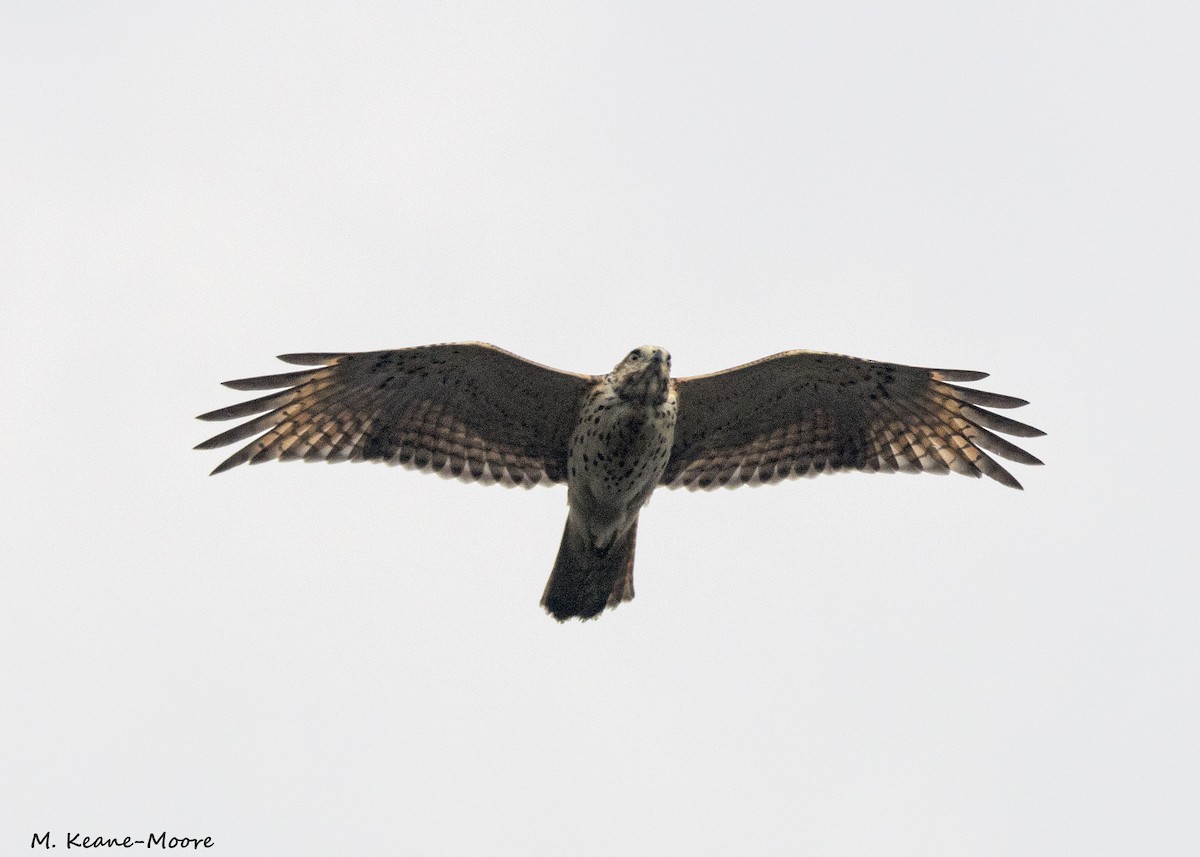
<point x="801" y="413"/>
<point x="467" y="410"/>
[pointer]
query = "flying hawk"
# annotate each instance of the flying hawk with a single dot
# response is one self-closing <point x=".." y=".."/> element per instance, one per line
<point x="478" y="413"/>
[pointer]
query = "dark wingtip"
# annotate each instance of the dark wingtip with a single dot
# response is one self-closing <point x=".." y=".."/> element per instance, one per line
<point x="986" y="399"/>
<point x="959" y="374"/>
<point x="1006" y="478"/>
<point x="998" y="422"/>
<point x="230" y="462"/>
<point x="312" y="358"/>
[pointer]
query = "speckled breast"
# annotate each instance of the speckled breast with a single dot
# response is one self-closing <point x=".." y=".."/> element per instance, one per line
<point x="619" y="451"/>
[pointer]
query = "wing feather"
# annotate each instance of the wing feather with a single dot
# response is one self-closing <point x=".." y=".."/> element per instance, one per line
<point x="314" y="358"/>
<point x="802" y="412"/>
<point x="269" y="402"/>
<point x="984" y="398"/>
<point x="998" y="422"/>
<point x="1001" y="447"/>
<point x="271" y="382"/>
<point x="465" y="410"/>
<point x="956" y="375"/>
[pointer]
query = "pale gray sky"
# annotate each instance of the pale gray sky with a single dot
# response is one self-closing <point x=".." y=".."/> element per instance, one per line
<point x="312" y="660"/>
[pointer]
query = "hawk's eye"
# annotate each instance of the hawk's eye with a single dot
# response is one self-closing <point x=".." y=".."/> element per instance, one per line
<point x="634" y="355"/>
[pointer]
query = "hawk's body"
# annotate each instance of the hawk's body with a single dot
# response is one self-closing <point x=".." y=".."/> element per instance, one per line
<point x="618" y="453"/>
<point x="478" y="413"/>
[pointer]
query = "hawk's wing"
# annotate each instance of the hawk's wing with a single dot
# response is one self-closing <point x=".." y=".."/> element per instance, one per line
<point x="801" y="413"/>
<point x="466" y="409"/>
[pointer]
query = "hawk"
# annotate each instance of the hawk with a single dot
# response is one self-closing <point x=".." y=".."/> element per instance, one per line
<point x="481" y="414"/>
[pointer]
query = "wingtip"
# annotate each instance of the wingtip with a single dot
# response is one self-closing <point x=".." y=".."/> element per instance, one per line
<point x="1007" y="479"/>
<point x="959" y="374"/>
<point x="308" y="358"/>
<point x="228" y="464"/>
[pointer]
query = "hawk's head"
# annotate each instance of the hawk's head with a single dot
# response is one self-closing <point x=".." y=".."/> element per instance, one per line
<point x="643" y="376"/>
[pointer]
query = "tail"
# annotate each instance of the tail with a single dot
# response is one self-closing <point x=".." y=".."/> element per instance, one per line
<point x="584" y="580"/>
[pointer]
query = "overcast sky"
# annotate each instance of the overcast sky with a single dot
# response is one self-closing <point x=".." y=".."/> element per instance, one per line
<point x="301" y="659"/>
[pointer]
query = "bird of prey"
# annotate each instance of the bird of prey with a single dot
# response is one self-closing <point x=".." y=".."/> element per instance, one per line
<point x="478" y="413"/>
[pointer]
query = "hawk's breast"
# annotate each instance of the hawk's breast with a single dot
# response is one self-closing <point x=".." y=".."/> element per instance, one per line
<point x="619" y="451"/>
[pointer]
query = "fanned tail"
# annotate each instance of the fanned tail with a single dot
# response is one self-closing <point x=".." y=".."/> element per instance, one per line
<point x="585" y="580"/>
